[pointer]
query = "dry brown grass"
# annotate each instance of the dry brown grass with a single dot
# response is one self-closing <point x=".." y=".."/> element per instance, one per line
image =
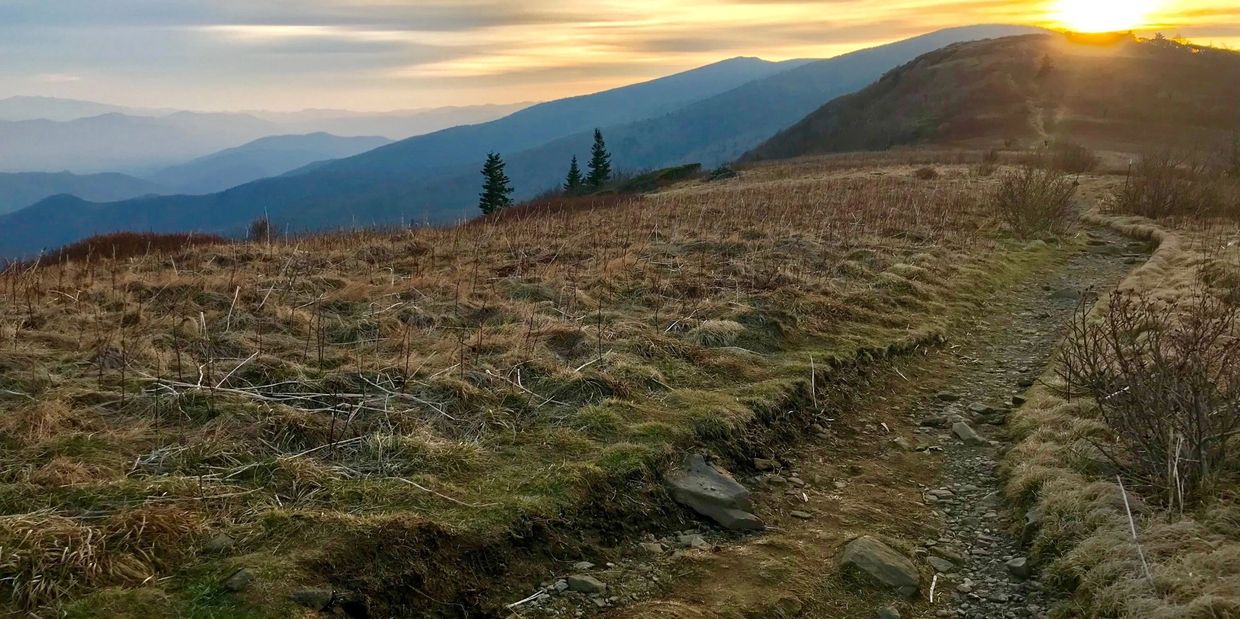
<point x="462" y="380"/>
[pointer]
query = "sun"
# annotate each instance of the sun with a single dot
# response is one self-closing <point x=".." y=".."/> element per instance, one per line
<point x="1103" y="15"/>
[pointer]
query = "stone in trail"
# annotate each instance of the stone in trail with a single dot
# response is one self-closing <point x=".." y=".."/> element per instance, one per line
<point x="889" y="612"/>
<point x="585" y="584"/>
<point x="1018" y="567"/>
<point x="712" y="493"/>
<point x="966" y="433"/>
<point x="882" y="564"/>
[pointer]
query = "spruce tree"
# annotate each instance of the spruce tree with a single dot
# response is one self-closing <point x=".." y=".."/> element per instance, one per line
<point x="496" y="187"/>
<point x="600" y="162"/>
<point x="574" y="180"/>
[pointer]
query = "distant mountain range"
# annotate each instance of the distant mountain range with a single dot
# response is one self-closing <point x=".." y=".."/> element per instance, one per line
<point x="1030" y="90"/>
<point x="41" y="134"/>
<point x="262" y="158"/>
<point x="709" y="115"/>
<point x="21" y="190"/>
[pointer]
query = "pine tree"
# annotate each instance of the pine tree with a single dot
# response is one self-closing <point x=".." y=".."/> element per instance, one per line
<point x="574" y="180"/>
<point x="496" y="188"/>
<point x="600" y="162"/>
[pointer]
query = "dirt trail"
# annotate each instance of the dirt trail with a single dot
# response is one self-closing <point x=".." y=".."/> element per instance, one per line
<point x="889" y="467"/>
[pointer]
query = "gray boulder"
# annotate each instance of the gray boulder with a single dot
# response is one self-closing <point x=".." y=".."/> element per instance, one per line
<point x="585" y="584"/>
<point x="712" y="493"/>
<point x="316" y="598"/>
<point x="966" y="433"/>
<point x="879" y="563"/>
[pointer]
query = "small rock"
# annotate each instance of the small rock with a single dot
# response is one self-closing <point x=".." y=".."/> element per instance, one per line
<point x="219" y="544"/>
<point x="882" y="564"/>
<point x="889" y="612"/>
<point x="585" y="584"/>
<point x="966" y="433"/>
<point x="1018" y="400"/>
<point x="654" y="548"/>
<point x="904" y="444"/>
<point x="802" y="515"/>
<point x="777" y="480"/>
<point x="1018" y="567"/>
<point x="693" y="541"/>
<point x="941" y="565"/>
<point x="946" y="396"/>
<point x="561" y="585"/>
<point x="582" y="566"/>
<point x="315" y="598"/>
<point x="239" y="580"/>
<point x="762" y="464"/>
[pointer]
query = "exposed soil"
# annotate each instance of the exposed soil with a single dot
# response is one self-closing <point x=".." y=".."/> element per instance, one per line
<point x="887" y="466"/>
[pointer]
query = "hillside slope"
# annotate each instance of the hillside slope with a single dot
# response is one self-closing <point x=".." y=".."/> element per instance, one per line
<point x="1124" y="94"/>
<point x="262" y="158"/>
<point x="433" y="178"/>
<point x="20" y="190"/>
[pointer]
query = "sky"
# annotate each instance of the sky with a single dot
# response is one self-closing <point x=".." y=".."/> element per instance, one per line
<point x="400" y="54"/>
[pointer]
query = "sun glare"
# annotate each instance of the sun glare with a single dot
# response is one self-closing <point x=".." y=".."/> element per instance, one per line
<point x="1104" y="15"/>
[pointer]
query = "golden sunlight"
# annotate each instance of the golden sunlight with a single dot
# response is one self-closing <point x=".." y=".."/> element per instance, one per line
<point x="1104" y="15"/>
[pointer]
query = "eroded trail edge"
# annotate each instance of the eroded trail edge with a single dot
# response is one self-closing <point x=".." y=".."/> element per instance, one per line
<point x="914" y="463"/>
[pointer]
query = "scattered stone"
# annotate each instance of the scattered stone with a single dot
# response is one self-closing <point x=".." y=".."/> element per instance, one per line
<point x="946" y="396"/>
<point x="654" y="548"/>
<point x="239" y="580"/>
<point x="1066" y="294"/>
<point x="941" y="565"/>
<point x="582" y="566"/>
<point x="966" y="433"/>
<point x="713" y="494"/>
<point x="889" y="612"/>
<point x="802" y="515"/>
<point x="1033" y="522"/>
<point x="1018" y="400"/>
<point x="882" y="564"/>
<point x="219" y="544"/>
<point x="693" y="541"/>
<point x="762" y="464"/>
<point x="585" y="584"/>
<point x="314" y="598"/>
<point x="797" y="481"/>
<point x="561" y="585"/>
<point x="1018" y="567"/>
<point x="777" y="480"/>
<point x="904" y="444"/>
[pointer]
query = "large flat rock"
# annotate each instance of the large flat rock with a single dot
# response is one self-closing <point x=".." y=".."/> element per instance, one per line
<point x="880" y="564"/>
<point x="712" y="493"/>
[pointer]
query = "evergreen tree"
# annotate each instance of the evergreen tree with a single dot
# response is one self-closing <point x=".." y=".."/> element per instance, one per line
<point x="600" y="162"/>
<point x="574" y="181"/>
<point x="496" y="187"/>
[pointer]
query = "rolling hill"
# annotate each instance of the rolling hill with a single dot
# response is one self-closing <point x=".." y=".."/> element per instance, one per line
<point x="120" y="142"/>
<point x="709" y="114"/>
<point x="18" y="191"/>
<point x="262" y="158"/>
<point x="1119" y="93"/>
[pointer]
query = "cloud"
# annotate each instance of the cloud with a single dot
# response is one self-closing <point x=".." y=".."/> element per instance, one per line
<point x="378" y="54"/>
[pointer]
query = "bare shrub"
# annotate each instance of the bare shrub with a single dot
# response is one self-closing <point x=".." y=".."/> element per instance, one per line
<point x="1166" y="379"/>
<point x="260" y="230"/>
<point x="1163" y="184"/>
<point x="1035" y="201"/>
<point x="990" y="163"/>
<point x="128" y="245"/>
<point x="1071" y="158"/>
